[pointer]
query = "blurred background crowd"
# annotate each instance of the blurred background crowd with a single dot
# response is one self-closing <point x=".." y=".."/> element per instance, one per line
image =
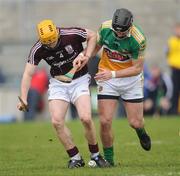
<point x="160" y="20"/>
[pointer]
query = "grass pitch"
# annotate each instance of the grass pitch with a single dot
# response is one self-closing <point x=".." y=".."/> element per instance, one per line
<point x="32" y="149"/>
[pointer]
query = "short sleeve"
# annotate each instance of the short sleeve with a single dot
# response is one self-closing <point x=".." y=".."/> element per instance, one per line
<point x="34" y="54"/>
<point x="80" y="33"/>
<point x="139" y="50"/>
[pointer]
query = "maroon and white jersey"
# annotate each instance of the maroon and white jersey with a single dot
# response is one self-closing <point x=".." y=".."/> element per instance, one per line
<point x="60" y="58"/>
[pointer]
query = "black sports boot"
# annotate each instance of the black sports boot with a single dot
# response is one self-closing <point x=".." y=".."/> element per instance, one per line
<point x="76" y="163"/>
<point x="145" y="142"/>
<point x="100" y="161"/>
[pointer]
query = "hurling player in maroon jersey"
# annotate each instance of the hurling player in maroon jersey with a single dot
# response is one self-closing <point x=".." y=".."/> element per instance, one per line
<point x="59" y="47"/>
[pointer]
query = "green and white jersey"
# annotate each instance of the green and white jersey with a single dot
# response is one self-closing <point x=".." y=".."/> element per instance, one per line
<point x="118" y="53"/>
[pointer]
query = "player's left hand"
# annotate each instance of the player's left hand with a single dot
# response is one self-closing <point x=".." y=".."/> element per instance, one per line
<point x="103" y="75"/>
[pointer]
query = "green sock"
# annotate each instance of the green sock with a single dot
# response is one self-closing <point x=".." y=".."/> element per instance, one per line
<point x="109" y="155"/>
<point x="140" y="132"/>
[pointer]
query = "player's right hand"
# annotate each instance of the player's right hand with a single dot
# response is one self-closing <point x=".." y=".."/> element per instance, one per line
<point x="103" y="75"/>
<point x="22" y="106"/>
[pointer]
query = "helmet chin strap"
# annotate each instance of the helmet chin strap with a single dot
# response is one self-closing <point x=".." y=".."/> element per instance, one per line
<point x="123" y="37"/>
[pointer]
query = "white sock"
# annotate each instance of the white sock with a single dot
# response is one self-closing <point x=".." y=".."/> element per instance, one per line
<point x="94" y="155"/>
<point x="76" y="157"/>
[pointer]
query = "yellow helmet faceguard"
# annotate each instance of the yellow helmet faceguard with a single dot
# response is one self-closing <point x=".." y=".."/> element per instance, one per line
<point x="47" y="32"/>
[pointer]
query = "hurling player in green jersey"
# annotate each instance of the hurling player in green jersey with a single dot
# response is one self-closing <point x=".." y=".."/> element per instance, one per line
<point x="120" y="76"/>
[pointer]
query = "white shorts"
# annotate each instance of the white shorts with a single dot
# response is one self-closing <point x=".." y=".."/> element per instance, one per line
<point x="130" y="88"/>
<point x="69" y="91"/>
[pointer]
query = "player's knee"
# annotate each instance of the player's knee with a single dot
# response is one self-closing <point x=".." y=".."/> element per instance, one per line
<point x="136" y="123"/>
<point x="58" y="124"/>
<point x="86" y="120"/>
<point x="105" y="123"/>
